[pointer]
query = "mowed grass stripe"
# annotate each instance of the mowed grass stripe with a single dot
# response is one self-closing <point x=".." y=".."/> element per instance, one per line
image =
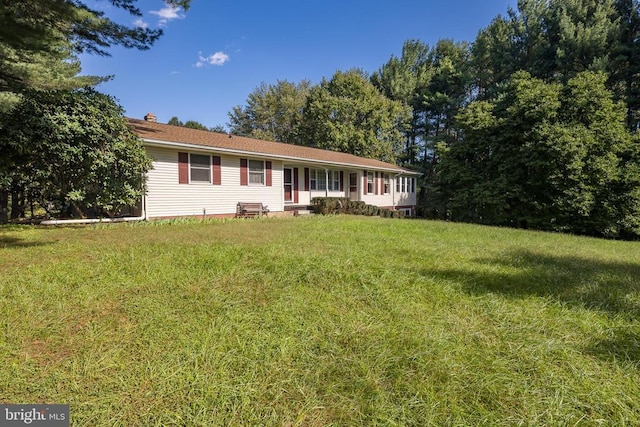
<point x="320" y="321"/>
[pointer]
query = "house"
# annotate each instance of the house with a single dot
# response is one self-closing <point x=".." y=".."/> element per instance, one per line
<point x="202" y="173"/>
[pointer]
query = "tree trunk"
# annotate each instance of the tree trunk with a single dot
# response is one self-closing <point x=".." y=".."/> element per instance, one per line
<point x="77" y="211"/>
<point x="15" y="204"/>
<point x="4" y="206"/>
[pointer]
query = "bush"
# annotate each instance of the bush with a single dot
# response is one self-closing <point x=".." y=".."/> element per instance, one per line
<point x="337" y="205"/>
<point x="329" y="205"/>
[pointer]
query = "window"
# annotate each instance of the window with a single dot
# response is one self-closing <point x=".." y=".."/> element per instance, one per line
<point x="334" y="180"/>
<point x="387" y="184"/>
<point x="313" y="181"/>
<point x="397" y="184"/>
<point x="412" y="182"/>
<point x="321" y="179"/>
<point x="318" y="179"/>
<point x="370" y="182"/>
<point x="200" y="168"/>
<point x="256" y="172"/>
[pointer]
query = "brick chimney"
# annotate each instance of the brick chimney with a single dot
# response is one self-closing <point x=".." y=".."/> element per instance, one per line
<point x="150" y="117"/>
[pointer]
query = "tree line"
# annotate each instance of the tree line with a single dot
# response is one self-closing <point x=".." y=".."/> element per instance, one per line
<point x="533" y="124"/>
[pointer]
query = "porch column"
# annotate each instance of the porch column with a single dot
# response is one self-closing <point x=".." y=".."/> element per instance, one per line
<point x="326" y="181"/>
<point x="393" y="191"/>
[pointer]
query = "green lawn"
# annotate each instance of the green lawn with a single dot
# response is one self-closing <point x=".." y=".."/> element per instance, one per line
<point x="318" y="321"/>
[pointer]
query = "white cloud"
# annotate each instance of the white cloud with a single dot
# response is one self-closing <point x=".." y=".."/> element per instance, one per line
<point x="140" y="24"/>
<point x="167" y="14"/>
<point x="218" y="58"/>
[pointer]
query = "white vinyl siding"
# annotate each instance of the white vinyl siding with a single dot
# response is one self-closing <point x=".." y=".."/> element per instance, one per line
<point x="167" y="198"/>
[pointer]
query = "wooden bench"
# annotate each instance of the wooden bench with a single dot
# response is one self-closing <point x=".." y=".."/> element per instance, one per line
<point x="245" y="209"/>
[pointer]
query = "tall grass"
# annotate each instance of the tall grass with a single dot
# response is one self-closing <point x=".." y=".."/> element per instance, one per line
<point x="320" y="321"/>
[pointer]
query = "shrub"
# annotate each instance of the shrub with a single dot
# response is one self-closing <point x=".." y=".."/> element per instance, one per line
<point x="329" y="205"/>
<point x="356" y="208"/>
<point x="336" y="205"/>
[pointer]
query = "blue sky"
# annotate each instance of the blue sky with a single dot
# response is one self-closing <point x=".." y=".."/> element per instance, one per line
<point x="214" y="54"/>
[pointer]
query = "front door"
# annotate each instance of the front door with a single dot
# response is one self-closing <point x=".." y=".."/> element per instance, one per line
<point x="288" y="185"/>
<point x="353" y="186"/>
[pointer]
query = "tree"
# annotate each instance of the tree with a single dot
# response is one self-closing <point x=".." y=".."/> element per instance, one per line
<point x="192" y="124"/>
<point x="218" y="128"/>
<point x="349" y="114"/>
<point x="54" y="71"/>
<point x="71" y="153"/>
<point x="547" y="156"/>
<point x="491" y="175"/>
<point x="550" y="40"/>
<point x="175" y="121"/>
<point x="37" y="33"/>
<point x="556" y="40"/>
<point x="273" y="112"/>
<point x="404" y="79"/>
<point x="625" y="60"/>
<point x="492" y="57"/>
<point x="436" y="82"/>
<point x="39" y="41"/>
<point x="583" y="33"/>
